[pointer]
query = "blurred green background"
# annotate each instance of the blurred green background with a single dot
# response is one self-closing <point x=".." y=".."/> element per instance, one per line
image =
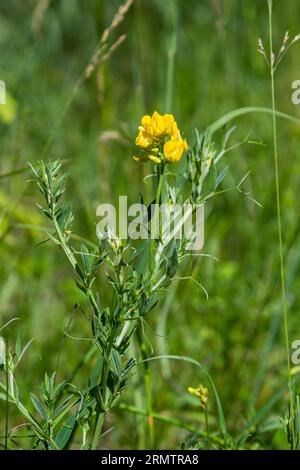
<point x="197" y="59"/>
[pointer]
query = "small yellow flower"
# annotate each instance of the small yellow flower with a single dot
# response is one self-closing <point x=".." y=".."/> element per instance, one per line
<point x="159" y="139"/>
<point x="201" y="393"/>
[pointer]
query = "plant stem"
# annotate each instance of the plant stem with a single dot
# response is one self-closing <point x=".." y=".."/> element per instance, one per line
<point x="149" y="429"/>
<point x="7" y="397"/>
<point x="160" y="175"/>
<point x="278" y="205"/>
<point x="92" y="300"/>
<point x="101" y="415"/>
<point x="64" y="246"/>
<point x="72" y="259"/>
<point x="206" y="423"/>
<point x="98" y="430"/>
<point x="171" y="421"/>
<point x="172" y="47"/>
<point x="148" y="385"/>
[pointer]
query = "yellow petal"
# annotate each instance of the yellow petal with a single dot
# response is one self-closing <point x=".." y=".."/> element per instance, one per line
<point x="155" y="159"/>
<point x="142" y="139"/>
<point x="150" y="131"/>
<point x="175" y="133"/>
<point x="140" y="158"/>
<point x="193" y="391"/>
<point x="171" y="128"/>
<point x="158" y="124"/>
<point x="156" y="117"/>
<point x="146" y="120"/>
<point x="173" y="150"/>
<point x="185" y="146"/>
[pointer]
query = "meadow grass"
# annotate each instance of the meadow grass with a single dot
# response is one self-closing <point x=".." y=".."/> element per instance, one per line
<point x="197" y="60"/>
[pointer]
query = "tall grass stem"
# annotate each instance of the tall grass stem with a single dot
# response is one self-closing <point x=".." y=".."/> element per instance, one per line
<point x="278" y="205"/>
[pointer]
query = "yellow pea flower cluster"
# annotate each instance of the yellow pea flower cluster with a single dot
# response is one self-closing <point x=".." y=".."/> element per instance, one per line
<point x="159" y="139"/>
<point x="201" y="393"/>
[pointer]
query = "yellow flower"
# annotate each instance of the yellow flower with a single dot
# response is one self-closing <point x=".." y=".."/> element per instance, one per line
<point x="173" y="149"/>
<point x="159" y="139"/>
<point x="201" y="393"/>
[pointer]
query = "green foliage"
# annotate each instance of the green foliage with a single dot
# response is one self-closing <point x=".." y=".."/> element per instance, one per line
<point x="206" y="70"/>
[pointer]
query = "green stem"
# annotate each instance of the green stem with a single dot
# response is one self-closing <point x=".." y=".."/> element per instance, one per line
<point x="93" y="302"/>
<point x="148" y="385"/>
<point x="171" y="421"/>
<point x="278" y="205"/>
<point x="72" y="259"/>
<point x="149" y="429"/>
<point x="172" y="47"/>
<point x="23" y="410"/>
<point x="206" y="423"/>
<point x="7" y="397"/>
<point x="160" y="175"/>
<point x="90" y="295"/>
<point x="98" y="430"/>
<point x="106" y="366"/>
<point x="63" y="243"/>
<point x="104" y="379"/>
